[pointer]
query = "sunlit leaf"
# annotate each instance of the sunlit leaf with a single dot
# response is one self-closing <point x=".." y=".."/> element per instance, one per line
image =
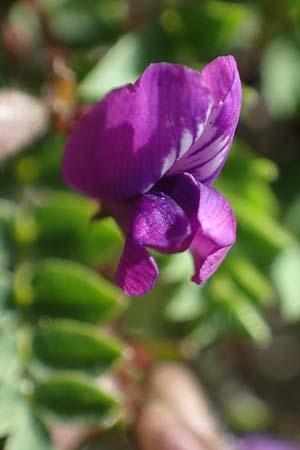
<point x="11" y="402"/>
<point x="5" y="287"/>
<point x="117" y="67"/>
<point x="221" y="23"/>
<point x="12" y="407"/>
<point x="185" y="304"/>
<point x="281" y="77"/>
<point x="66" y="289"/>
<point x="245" y="411"/>
<point x="62" y="213"/>
<point x="74" y="25"/>
<point x="257" y="230"/>
<point x="65" y="227"/>
<point x="69" y="345"/>
<point x="285" y="274"/>
<point x="73" y="398"/>
<point x="179" y="267"/>
<point x="238" y="308"/>
<point x="250" y="279"/>
<point x="30" y="435"/>
<point x="9" y="364"/>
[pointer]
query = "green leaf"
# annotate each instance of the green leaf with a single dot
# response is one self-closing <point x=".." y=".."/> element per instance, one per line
<point x="281" y="77"/>
<point x="250" y="176"/>
<point x="12" y="407"/>
<point x="292" y="218"/>
<point x="179" y="267"/>
<point x="73" y="398"/>
<point x="257" y="230"/>
<point x="11" y="401"/>
<point x="185" y="304"/>
<point x="8" y="347"/>
<point x="8" y="211"/>
<point x="221" y="24"/>
<point x="7" y="214"/>
<point x="65" y="226"/>
<point x="208" y="330"/>
<point x="238" y="308"/>
<point x="22" y="288"/>
<point x="116" y="68"/>
<point x="75" y="25"/>
<point x="245" y="411"/>
<point x="243" y="164"/>
<point x="68" y="345"/>
<point x="285" y="274"/>
<point x="261" y="195"/>
<point x="67" y="289"/>
<point x="4" y="251"/>
<point x="5" y="288"/>
<point x="46" y="161"/>
<point x="249" y="279"/>
<point x="30" y="435"/>
<point x="102" y="243"/>
<point x="63" y="214"/>
<point x="63" y="222"/>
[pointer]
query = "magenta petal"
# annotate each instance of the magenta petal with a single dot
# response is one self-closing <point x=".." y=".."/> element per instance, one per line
<point x="213" y="225"/>
<point x="191" y="215"/>
<point x="157" y="222"/>
<point x="216" y="233"/>
<point x="137" y="271"/>
<point x="258" y="442"/>
<point x="184" y="189"/>
<point x="160" y="223"/>
<point x="123" y="146"/>
<point x="206" y="157"/>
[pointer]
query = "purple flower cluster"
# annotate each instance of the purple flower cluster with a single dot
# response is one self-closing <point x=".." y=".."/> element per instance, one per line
<point x="150" y="152"/>
<point x="257" y="442"/>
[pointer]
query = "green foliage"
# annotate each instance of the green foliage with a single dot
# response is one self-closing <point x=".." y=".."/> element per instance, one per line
<point x="67" y="289"/>
<point x="38" y="355"/>
<point x="234" y="304"/>
<point x="192" y="306"/>
<point x="64" y="345"/>
<point x="281" y="77"/>
<point x="11" y="404"/>
<point x="30" y="435"/>
<point x="73" y="398"/>
<point x="285" y="273"/>
<point x="285" y="267"/>
<point x="117" y="67"/>
<point x="64" y="225"/>
<point x="246" y="411"/>
<point x="220" y="23"/>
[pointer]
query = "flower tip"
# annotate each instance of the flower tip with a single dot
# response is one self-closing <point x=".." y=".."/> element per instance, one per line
<point x="136" y="292"/>
<point x="227" y="59"/>
<point x="206" y="266"/>
<point x="134" y="288"/>
<point x="137" y="271"/>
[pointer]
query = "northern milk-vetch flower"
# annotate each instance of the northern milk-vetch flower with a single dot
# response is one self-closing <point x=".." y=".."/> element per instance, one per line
<point x="149" y="152"/>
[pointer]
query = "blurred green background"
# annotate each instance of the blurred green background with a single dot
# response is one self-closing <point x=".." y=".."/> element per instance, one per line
<point x="62" y="325"/>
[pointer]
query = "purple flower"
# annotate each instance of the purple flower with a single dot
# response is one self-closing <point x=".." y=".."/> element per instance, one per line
<point x="257" y="442"/>
<point x="150" y="152"/>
